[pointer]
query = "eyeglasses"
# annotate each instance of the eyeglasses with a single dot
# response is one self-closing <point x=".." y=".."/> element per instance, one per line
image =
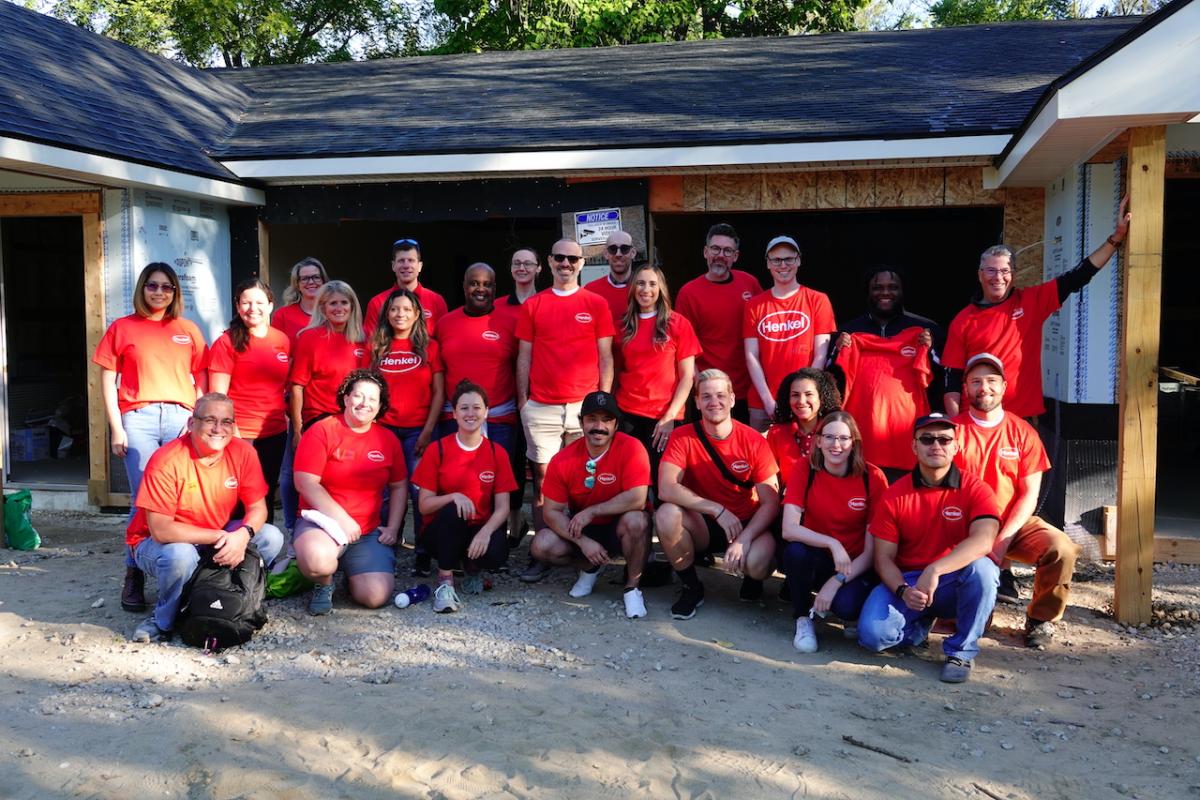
<point x="558" y="258"/>
<point x="216" y="422"/>
<point x="791" y="261"/>
<point x="929" y="440"/>
<point x="722" y="251"/>
<point x="829" y="438"/>
<point x="623" y="249"/>
<point x="590" y="480"/>
<point x="165" y="288"/>
<point x="407" y="243"/>
<point x="996" y="273"/>
<point x="310" y="279"/>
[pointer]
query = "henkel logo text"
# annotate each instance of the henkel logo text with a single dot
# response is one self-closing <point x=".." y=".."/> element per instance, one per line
<point x="231" y="482"/>
<point x="952" y="513"/>
<point x="426" y="313"/>
<point x="491" y="336"/>
<point x="781" y="326"/>
<point x="740" y="466"/>
<point x="487" y="476"/>
<point x="181" y="338"/>
<point x="376" y="456"/>
<point x="747" y="295"/>
<point x="583" y="317"/>
<point x="607" y="478"/>
<point x="908" y="351"/>
<point x="281" y="357"/>
<point x="399" y="362"/>
<point x="857" y="503"/>
<point x="359" y="352"/>
<point x="1018" y="313"/>
<point x="1011" y="453"/>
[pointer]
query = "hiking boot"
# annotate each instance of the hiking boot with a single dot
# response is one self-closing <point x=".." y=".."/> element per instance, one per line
<point x="751" y="590"/>
<point x="473" y="584"/>
<point x="585" y="583"/>
<point x="1038" y="634"/>
<point x="805" y="640"/>
<point x="133" y="593"/>
<point x="534" y="572"/>
<point x="956" y="670"/>
<point x="422" y="565"/>
<point x="149" y="631"/>
<point x="321" y="601"/>
<point x="635" y="604"/>
<point x="445" y="599"/>
<point x="1009" y="591"/>
<point x="690" y="598"/>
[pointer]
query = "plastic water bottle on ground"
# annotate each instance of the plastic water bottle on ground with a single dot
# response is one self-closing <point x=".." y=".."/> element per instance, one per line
<point x="413" y="595"/>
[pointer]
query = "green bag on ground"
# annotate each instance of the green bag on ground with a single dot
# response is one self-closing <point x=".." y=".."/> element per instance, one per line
<point x="287" y="582"/>
<point x="19" y="533"/>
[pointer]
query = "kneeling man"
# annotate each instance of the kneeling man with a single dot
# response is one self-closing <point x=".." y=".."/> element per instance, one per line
<point x="595" y="503"/>
<point x="189" y="491"/>
<point x="934" y="529"/>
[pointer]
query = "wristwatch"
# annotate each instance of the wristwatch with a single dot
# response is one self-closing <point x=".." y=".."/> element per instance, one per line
<point x="840" y="578"/>
<point x="249" y="528"/>
<point x="901" y="589"/>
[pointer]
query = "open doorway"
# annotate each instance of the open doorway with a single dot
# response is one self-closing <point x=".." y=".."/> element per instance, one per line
<point x="45" y="354"/>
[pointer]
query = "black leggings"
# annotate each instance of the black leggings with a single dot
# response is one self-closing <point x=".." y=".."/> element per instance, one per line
<point x="270" y="455"/>
<point x="642" y="429"/>
<point x="449" y="535"/>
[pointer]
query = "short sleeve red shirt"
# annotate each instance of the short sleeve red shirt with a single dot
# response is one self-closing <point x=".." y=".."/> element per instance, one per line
<point x="563" y="331"/>
<point x="617" y="297"/>
<point x="257" y="381"/>
<point x="789" y="446"/>
<point x="1011" y="330"/>
<point x="837" y="506"/>
<point x="480" y="474"/>
<point x="649" y="371"/>
<point x="433" y="308"/>
<point x="785" y="329"/>
<point x="157" y="361"/>
<point x="744" y="451"/>
<point x="176" y="483"/>
<point x="482" y="349"/>
<point x="1001" y="455"/>
<point x="927" y="522"/>
<point x="321" y="361"/>
<point x="291" y="319"/>
<point x="625" y="466"/>
<point x="354" y="468"/>
<point x="715" y="311"/>
<point x="409" y="380"/>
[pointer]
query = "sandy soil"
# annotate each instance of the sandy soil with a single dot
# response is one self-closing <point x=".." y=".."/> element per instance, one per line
<point x="528" y="693"/>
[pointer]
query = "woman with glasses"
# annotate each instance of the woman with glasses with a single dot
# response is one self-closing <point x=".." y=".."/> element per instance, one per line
<point x="249" y="363"/>
<point x="326" y="351"/>
<point x="464" y="483"/>
<point x="803" y="398"/>
<point x="344" y="465"/>
<point x="300" y="298"/>
<point x="829" y="499"/>
<point x="151" y="373"/>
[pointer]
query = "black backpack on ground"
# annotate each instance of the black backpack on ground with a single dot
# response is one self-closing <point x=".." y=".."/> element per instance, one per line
<point x="222" y="607"/>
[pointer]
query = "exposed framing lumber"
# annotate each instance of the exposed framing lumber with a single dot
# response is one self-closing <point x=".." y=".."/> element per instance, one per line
<point x="50" y="204"/>
<point x="264" y="259"/>
<point x="1137" y="443"/>
<point x="93" y="282"/>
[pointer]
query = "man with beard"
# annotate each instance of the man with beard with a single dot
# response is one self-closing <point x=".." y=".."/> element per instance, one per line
<point x="713" y="303"/>
<point x="595" y="503"/>
<point x="614" y="287"/>
<point x="407" y="266"/>
<point x="1005" y="452"/>
<point x="720" y="491"/>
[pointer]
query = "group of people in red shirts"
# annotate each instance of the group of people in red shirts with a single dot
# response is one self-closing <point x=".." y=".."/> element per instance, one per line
<point x="795" y="428"/>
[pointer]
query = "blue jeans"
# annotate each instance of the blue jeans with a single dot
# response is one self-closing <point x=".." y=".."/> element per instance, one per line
<point x="408" y="443"/>
<point x="147" y="429"/>
<point x="288" y="495"/>
<point x="967" y="595"/>
<point x="172" y="566"/>
<point x="808" y="568"/>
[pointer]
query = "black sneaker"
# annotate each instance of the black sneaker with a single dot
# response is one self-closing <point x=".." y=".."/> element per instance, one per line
<point x="690" y="598"/>
<point x="751" y="591"/>
<point x="422" y="565"/>
<point x="1009" y="591"/>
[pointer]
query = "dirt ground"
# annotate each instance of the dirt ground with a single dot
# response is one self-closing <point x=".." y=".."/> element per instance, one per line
<point x="529" y="693"/>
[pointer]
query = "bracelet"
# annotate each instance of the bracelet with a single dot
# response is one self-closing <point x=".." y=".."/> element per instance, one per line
<point x="901" y="589"/>
<point x="1115" y="244"/>
<point x="719" y="513"/>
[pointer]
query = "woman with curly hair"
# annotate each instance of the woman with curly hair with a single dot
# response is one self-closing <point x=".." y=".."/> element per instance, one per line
<point x="803" y="398"/>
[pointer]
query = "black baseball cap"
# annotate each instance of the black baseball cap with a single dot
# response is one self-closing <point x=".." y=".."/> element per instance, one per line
<point x="934" y="419"/>
<point x="600" y="403"/>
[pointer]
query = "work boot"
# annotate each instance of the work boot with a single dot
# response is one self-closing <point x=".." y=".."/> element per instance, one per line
<point x="133" y="593"/>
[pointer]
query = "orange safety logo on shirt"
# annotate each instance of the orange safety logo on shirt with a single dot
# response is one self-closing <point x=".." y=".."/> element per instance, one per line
<point x="952" y="513"/>
<point x="780" y="326"/>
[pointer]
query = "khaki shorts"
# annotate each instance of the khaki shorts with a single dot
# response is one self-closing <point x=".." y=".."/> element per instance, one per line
<point x="546" y="425"/>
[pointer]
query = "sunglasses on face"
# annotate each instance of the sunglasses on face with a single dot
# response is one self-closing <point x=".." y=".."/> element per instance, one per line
<point x="929" y="440"/>
<point x="165" y="288"/>
<point x="558" y="258"/>
<point x="623" y="249"/>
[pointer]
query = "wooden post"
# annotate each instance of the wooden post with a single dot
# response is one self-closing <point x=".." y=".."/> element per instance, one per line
<point x="264" y="260"/>
<point x="1137" y="444"/>
<point x="93" y="290"/>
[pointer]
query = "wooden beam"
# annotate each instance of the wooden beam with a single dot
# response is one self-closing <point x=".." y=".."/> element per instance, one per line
<point x="264" y="260"/>
<point x="1137" y="442"/>
<point x="666" y="193"/>
<point x="49" y="204"/>
<point x="94" y="324"/>
<point x="1108" y="537"/>
<point x="1118" y="147"/>
<point x="1177" y="549"/>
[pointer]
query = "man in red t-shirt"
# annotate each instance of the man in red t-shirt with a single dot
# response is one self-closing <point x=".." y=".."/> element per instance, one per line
<point x="595" y="503"/>
<point x="1006" y="453"/>
<point x="934" y="529"/>
<point x="710" y="507"/>
<point x="713" y="303"/>
<point x="620" y="253"/>
<point x="189" y="491"/>
<point x="1007" y="322"/>
<point x="407" y="265"/>
<point x="783" y="329"/>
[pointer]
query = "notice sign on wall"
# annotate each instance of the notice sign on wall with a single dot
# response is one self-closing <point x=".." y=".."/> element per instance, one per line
<point x="593" y="227"/>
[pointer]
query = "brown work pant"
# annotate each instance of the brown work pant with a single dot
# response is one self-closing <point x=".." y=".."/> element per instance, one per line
<point x="1052" y="554"/>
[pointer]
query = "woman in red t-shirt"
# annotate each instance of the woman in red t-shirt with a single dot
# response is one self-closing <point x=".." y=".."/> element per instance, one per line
<point x="803" y="398"/>
<point x="656" y="361"/>
<point x="828" y="503"/>
<point x="464" y="483"/>
<point x="249" y="362"/>
<point x="151" y="372"/>
<point x="326" y="352"/>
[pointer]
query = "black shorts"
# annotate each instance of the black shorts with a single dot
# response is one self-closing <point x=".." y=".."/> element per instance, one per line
<point x="605" y="533"/>
<point x="716" y="535"/>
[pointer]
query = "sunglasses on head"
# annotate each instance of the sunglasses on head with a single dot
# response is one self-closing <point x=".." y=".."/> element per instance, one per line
<point x="623" y="249"/>
<point x="407" y="243"/>
<point x="561" y="257"/>
<point x="929" y="440"/>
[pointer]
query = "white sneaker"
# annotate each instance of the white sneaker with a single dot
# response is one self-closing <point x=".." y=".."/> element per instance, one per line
<point x="584" y="583"/>
<point x="635" y="604"/>
<point x="805" y="640"/>
<point x="445" y="599"/>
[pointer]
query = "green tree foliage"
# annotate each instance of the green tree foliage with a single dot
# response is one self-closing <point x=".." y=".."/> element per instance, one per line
<point x="945" y="13"/>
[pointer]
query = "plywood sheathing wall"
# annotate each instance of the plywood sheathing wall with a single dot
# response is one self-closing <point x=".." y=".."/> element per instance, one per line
<point x="923" y="187"/>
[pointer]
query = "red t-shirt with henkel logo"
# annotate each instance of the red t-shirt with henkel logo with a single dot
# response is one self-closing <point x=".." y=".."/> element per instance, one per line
<point x="483" y="350"/>
<point x="157" y="361"/>
<point x="291" y="319"/>
<point x="563" y="331"/>
<point x="1011" y="330"/>
<point x="433" y="308"/>
<point x="409" y="379"/>
<point x="321" y="361"/>
<point x="354" y="468"/>
<point x="625" y="466"/>
<point x="789" y="446"/>
<point x="480" y="474"/>
<point x="177" y="484"/>
<point x="1000" y="455"/>
<point x="927" y="522"/>
<point x="649" y="370"/>
<point x="785" y="330"/>
<point x="744" y="451"/>
<point x="837" y="506"/>
<point x="617" y="297"/>
<point x="715" y="311"/>
<point x="257" y="381"/>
